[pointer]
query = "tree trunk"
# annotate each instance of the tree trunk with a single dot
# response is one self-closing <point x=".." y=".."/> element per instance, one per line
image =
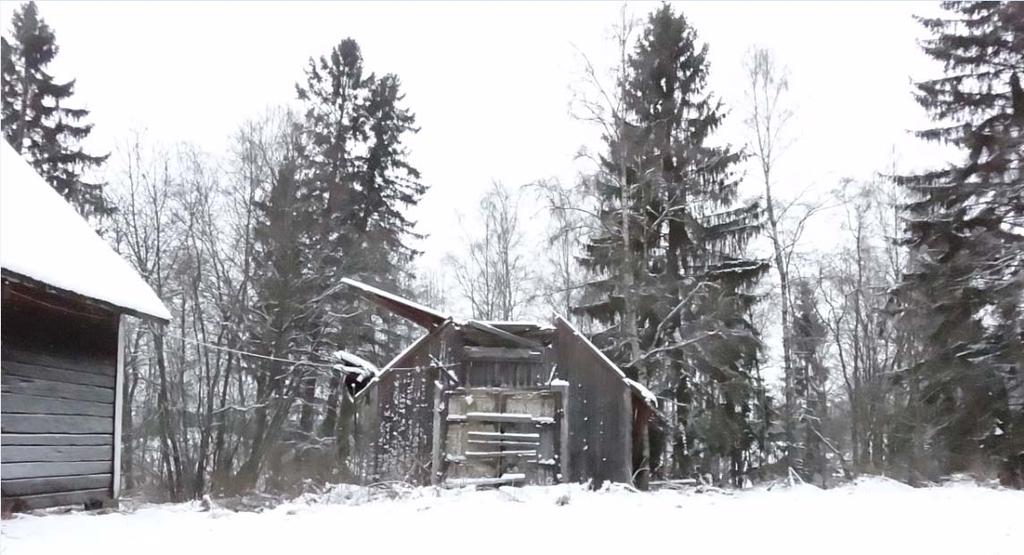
<point x="329" y="423"/>
<point x="168" y="436"/>
<point x="307" y="414"/>
<point x="794" y="454"/>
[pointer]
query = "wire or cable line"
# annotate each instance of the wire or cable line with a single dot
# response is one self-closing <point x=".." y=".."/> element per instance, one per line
<point x="65" y="309"/>
<point x="331" y="365"/>
<point x="256" y="355"/>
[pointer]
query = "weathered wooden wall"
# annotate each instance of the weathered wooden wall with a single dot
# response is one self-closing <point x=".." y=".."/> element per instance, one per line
<point x="515" y="407"/>
<point x="59" y="365"/>
<point x="398" y="410"/>
<point x="600" y="412"/>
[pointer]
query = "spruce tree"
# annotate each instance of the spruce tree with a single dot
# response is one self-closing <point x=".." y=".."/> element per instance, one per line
<point x="284" y="302"/>
<point x="965" y="232"/>
<point x="357" y="166"/>
<point x="36" y="119"/>
<point x="670" y="208"/>
<point x="810" y="381"/>
<point x="357" y="182"/>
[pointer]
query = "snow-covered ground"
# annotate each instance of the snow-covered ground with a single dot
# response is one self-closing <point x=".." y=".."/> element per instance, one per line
<point x="872" y="516"/>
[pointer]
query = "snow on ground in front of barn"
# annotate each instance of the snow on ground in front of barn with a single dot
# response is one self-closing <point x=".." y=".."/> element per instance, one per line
<point x="874" y="515"/>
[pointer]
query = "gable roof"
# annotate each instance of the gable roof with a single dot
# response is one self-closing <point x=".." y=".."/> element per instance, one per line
<point x="43" y="240"/>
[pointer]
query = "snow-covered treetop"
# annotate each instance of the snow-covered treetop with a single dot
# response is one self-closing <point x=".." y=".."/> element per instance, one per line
<point x="44" y="239"/>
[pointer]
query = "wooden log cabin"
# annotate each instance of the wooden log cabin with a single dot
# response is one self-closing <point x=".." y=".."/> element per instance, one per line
<point x="490" y="403"/>
<point x="65" y="293"/>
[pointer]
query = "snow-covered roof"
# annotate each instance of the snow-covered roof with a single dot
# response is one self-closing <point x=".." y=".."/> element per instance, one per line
<point x="44" y="239"/>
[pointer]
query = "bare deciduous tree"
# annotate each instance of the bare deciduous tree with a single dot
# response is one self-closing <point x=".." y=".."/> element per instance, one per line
<point x="493" y="274"/>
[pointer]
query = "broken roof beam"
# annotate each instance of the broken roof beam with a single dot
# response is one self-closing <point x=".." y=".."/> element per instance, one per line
<point x="503" y="335"/>
<point x="516" y="327"/>
<point x="414" y="312"/>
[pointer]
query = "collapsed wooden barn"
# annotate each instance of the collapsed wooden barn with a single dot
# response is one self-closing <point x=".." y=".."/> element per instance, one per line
<point x="65" y="292"/>
<point x="477" y="402"/>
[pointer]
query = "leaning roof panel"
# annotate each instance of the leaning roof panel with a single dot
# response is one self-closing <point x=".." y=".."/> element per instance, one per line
<point x="414" y="312"/>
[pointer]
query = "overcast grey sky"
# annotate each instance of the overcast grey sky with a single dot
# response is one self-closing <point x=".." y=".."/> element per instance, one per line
<point x="491" y="83"/>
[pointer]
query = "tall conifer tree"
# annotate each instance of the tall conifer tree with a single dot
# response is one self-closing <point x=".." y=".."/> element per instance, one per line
<point x="688" y="285"/>
<point x="810" y="382"/>
<point x="965" y="231"/>
<point x="36" y="118"/>
<point x="357" y="181"/>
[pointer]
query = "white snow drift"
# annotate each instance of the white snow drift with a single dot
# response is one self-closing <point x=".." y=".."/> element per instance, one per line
<point x="871" y="516"/>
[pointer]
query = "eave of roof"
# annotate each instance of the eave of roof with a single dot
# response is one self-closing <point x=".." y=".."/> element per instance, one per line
<point x="45" y="242"/>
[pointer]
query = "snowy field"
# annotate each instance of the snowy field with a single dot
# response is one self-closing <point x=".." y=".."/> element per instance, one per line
<point x="872" y="516"/>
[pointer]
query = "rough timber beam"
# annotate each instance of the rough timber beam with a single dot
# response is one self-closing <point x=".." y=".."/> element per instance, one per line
<point x="504" y="335"/>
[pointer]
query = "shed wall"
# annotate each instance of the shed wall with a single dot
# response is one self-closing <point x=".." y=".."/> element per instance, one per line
<point x="401" y="427"/>
<point x="58" y="380"/>
<point x="599" y="413"/>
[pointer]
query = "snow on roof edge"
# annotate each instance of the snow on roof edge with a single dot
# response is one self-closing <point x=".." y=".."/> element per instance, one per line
<point x="43" y="238"/>
<point x="395" y="298"/>
<point x="642" y="390"/>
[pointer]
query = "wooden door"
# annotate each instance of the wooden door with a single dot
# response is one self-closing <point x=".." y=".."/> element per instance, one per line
<point x="502" y="436"/>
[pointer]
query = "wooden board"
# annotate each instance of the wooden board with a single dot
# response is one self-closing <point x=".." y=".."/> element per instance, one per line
<point x="14" y="403"/>
<point x="503" y="354"/>
<point x="509" y="479"/>
<point x="500" y="435"/>
<point x="96" y="364"/>
<point x="57" y="390"/>
<point x="498" y="417"/>
<point x="504" y="336"/>
<point x="56" y="424"/>
<point x="37" y="372"/>
<point x="14" y="471"/>
<point x="54" y="453"/>
<point x="502" y="453"/>
<point x="538" y="404"/>
<point x="467" y="401"/>
<point x="37" y="486"/>
<point x="58" y="439"/>
<point x="503" y="442"/>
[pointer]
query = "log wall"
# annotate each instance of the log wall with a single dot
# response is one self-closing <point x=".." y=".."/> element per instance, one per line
<point x="58" y="381"/>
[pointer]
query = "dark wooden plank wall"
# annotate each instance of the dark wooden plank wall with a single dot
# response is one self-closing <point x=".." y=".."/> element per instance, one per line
<point x="402" y="424"/>
<point x="506" y="373"/>
<point x="600" y="413"/>
<point x="58" y="379"/>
